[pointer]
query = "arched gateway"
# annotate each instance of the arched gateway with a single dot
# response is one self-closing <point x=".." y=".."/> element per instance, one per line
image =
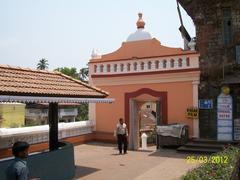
<point x="151" y="84"/>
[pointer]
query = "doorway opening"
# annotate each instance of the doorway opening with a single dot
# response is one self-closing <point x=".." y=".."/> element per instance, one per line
<point x="143" y="119"/>
<point x="139" y="116"/>
<point x="147" y="121"/>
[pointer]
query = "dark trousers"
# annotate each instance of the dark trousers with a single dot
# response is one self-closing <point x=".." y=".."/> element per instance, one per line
<point x="122" y="141"/>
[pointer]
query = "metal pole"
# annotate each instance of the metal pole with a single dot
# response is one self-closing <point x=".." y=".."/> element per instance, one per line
<point x="179" y="13"/>
<point x="53" y="126"/>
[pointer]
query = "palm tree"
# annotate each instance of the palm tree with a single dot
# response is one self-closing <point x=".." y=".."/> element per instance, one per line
<point x="43" y="64"/>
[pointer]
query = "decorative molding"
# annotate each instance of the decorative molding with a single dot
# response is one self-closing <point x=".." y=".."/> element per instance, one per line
<point x="145" y="73"/>
<point x="186" y="63"/>
<point x="160" y="94"/>
<point x="37" y="99"/>
<point x="147" y="79"/>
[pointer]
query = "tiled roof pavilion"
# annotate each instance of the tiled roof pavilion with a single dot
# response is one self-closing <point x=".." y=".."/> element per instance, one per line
<point x="41" y="84"/>
<point x="26" y="85"/>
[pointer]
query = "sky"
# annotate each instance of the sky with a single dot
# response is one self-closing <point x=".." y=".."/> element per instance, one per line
<point x="66" y="31"/>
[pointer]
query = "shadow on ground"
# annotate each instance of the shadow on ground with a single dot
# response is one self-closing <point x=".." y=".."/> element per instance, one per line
<point x="82" y="171"/>
<point x="170" y="152"/>
<point x="101" y="144"/>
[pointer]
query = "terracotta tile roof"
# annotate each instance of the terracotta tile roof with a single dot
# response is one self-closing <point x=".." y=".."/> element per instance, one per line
<point x="24" y="81"/>
<point x="142" y="49"/>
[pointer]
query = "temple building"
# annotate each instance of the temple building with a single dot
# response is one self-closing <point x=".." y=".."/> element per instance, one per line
<point x="152" y="84"/>
<point x="218" y="42"/>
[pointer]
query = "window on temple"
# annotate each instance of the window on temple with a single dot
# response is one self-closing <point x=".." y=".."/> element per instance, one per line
<point x="101" y="68"/>
<point x="95" y="68"/>
<point x="115" y="67"/>
<point x="187" y="61"/>
<point x="135" y="66"/>
<point x="179" y="62"/>
<point x="164" y="63"/>
<point x="142" y="65"/>
<point x="157" y="64"/>
<point x="128" y="66"/>
<point x="172" y="63"/>
<point x="108" y="68"/>
<point x="149" y="65"/>
<point x="227" y="26"/>
<point x="122" y="67"/>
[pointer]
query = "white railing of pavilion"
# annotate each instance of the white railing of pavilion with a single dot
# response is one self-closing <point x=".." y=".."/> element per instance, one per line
<point x="39" y="134"/>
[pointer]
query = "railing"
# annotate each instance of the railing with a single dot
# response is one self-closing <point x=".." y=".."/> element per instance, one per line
<point x="39" y="134"/>
<point x="145" y="65"/>
<point x="41" y="113"/>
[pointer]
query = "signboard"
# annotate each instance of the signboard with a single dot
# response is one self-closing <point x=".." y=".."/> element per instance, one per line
<point x="205" y="104"/>
<point x="224" y="117"/>
<point x="238" y="54"/>
<point x="192" y="113"/>
<point x="236" y="129"/>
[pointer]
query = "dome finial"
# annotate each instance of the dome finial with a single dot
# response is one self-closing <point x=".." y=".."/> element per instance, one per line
<point x="140" y="23"/>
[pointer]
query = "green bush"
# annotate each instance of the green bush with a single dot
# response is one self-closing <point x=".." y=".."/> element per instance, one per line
<point x="216" y="170"/>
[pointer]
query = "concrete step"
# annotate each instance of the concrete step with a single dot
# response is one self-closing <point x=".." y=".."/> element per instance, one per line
<point x="197" y="150"/>
<point x="207" y="145"/>
<point x="210" y="141"/>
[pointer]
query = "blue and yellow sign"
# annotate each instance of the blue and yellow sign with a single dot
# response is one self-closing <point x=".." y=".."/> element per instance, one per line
<point x="192" y="112"/>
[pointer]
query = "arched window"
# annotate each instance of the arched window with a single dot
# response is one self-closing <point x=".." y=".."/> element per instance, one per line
<point x="149" y="64"/>
<point x="108" y="68"/>
<point x="115" y="67"/>
<point x="172" y="63"/>
<point x="179" y="62"/>
<point x="122" y="67"/>
<point x="95" y="68"/>
<point x="187" y="61"/>
<point x="164" y="63"/>
<point x="156" y="64"/>
<point x="128" y="67"/>
<point x="135" y="66"/>
<point x="101" y="68"/>
<point x="142" y="65"/>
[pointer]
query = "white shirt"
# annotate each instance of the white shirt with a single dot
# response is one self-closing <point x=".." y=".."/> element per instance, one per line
<point x="122" y="129"/>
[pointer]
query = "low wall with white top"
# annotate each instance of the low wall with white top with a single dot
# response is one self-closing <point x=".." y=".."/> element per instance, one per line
<point x="39" y="134"/>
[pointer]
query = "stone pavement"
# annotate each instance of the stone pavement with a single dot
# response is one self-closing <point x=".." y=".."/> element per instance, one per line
<point x="99" y="161"/>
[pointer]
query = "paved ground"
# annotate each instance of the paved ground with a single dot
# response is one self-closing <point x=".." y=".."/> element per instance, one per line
<point x="98" y="161"/>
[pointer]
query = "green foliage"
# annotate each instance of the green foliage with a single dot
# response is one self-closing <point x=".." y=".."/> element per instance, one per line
<point x="14" y="125"/>
<point x="31" y="123"/>
<point x="83" y="76"/>
<point x="43" y="64"/>
<point x="69" y="71"/>
<point x="214" y="171"/>
<point x="82" y="112"/>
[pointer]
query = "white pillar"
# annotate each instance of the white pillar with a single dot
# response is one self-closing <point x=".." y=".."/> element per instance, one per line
<point x="144" y="141"/>
<point x="195" y="104"/>
<point x="92" y="109"/>
<point x="92" y="114"/>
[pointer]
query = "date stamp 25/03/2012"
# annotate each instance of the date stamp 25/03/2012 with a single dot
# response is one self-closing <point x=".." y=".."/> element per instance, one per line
<point x="207" y="159"/>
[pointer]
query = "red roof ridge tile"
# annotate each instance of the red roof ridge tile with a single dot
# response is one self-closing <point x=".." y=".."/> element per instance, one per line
<point x="28" y="69"/>
<point x="85" y="84"/>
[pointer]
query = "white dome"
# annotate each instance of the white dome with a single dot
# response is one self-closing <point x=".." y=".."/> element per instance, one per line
<point x="139" y="35"/>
